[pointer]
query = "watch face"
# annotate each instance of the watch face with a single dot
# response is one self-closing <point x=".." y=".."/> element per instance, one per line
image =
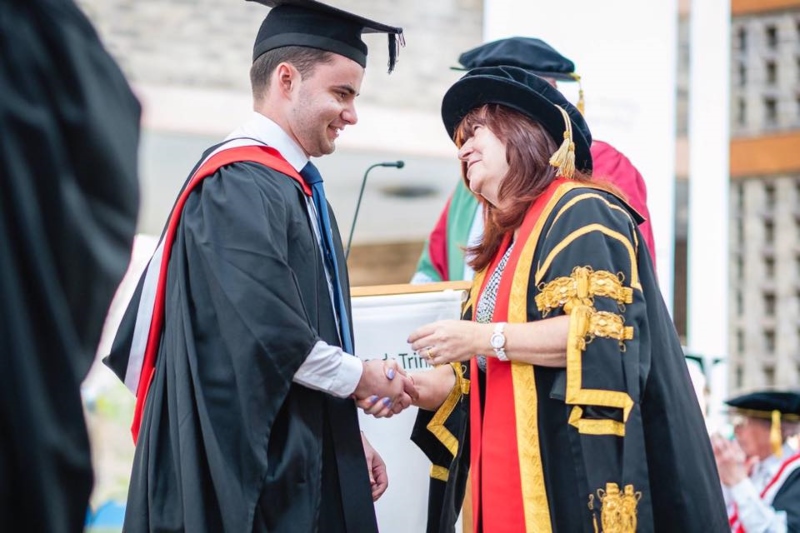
<point x="497" y="340"/>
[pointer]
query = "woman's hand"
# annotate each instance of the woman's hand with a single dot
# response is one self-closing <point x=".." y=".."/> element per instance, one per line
<point x="434" y="386"/>
<point x="448" y="341"/>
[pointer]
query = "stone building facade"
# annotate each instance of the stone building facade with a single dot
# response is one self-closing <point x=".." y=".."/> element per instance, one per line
<point x="765" y="196"/>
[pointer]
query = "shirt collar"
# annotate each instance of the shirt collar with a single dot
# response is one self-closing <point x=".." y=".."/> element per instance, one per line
<point x="268" y="132"/>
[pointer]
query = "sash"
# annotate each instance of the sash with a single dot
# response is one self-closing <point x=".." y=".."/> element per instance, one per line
<point x="135" y="350"/>
<point x="502" y="501"/>
<point x="770" y="491"/>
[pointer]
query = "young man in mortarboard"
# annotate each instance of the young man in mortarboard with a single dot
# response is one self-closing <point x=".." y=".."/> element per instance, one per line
<point x="759" y="470"/>
<point x="238" y="343"/>
<point x="461" y="221"/>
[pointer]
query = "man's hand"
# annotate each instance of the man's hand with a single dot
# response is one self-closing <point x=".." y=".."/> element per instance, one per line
<point x="731" y="460"/>
<point x="384" y="389"/>
<point x="378" y="479"/>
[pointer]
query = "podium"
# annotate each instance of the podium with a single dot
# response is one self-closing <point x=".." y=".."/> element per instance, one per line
<point x="383" y="317"/>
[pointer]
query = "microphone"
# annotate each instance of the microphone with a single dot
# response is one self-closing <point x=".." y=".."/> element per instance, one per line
<point x="394" y="164"/>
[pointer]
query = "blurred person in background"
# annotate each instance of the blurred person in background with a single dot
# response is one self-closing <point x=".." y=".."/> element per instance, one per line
<point x="759" y="469"/>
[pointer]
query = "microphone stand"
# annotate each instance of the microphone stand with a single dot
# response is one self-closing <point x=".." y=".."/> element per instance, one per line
<point x="396" y="164"/>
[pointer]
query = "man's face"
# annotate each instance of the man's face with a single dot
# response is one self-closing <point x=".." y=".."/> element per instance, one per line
<point x="752" y="434"/>
<point x="324" y="103"/>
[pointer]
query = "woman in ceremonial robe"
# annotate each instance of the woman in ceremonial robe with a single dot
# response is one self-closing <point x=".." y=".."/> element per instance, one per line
<point x="563" y="392"/>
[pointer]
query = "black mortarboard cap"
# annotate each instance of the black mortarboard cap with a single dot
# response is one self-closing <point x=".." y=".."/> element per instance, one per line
<point x="527" y="93"/>
<point x="761" y="404"/>
<point x="523" y="52"/>
<point x="317" y="25"/>
<point x="776" y="406"/>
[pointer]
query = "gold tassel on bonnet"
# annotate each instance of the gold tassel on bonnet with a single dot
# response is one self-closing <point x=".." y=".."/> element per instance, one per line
<point x="581" y="105"/>
<point x="564" y="158"/>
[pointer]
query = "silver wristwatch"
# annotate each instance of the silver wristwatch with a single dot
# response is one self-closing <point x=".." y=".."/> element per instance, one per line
<point x="498" y="341"/>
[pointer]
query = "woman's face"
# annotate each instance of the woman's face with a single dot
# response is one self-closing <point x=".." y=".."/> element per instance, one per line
<point x="485" y="157"/>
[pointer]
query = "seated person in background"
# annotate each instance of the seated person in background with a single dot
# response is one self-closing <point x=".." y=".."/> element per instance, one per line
<point x="759" y="470"/>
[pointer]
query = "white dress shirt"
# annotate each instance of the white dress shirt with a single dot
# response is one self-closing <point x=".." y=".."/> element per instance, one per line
<point x="756" y="515"/>
<point x="327" y="368"/>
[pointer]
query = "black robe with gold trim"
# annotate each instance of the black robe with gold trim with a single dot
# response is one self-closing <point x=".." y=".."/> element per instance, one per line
<point x="622" y="416"/>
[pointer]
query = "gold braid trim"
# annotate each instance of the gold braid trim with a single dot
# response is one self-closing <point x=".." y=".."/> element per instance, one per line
<point x="582" y="285"/>
<point x="585" y="323"/>
<point x="535" y="505"/>
<point x="617" y="509"/>
<point x="439" y="472"/>
<point x="585" y="230"/>
<point x="436" y="425"/>
<point x="609" y="325"/>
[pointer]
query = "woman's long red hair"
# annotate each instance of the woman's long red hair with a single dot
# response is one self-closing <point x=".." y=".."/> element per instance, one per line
<point x="528" y="151"/>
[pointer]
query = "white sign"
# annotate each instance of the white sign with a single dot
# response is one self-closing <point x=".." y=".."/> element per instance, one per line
<point x="382" y="325"/>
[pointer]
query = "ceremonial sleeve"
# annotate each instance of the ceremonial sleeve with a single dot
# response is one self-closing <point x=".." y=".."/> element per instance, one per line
<point x="586" y="267"/>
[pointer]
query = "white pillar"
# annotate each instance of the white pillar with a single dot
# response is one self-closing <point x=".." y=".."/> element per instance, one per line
<point x="709" y="145"/>
<point x="625" y="51"/>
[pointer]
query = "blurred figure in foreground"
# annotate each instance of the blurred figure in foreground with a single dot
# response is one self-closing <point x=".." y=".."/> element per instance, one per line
<point x="69" y="132"/>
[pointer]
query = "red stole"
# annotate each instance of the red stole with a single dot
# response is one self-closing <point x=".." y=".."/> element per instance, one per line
<point x="496" y="489"/>
<point x="264" y="155"/>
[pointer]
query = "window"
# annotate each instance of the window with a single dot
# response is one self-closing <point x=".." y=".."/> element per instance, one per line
<point x="769" y="341"/>
<point x="739" y="303"/>
<point x="741" y="38"/>
<point x="742" y="74"/>
<point x="772" y="35"/>
<point x="740" y="230"/>
<point x="772" y="72"/>
<point x="769" y="304"/>
<point x="740" y="193"/>
<point x="769" y="271"/>
<point x="741" y="112"/>
<point x="739" y="376"/>
<point x="769" y="375"/>
<point x="770" y="111"/>
<point x="769" y="196"/>
<point x="740" y="267"/>
<point x="769" y="232"/>
<point x="740" y="341"/>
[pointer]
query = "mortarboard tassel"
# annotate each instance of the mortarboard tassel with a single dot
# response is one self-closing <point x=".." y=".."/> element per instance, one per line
<point x="581" y="105"/>
<point x="775" y="435"/>
<point x="394" y="48"/>
<point x="564" y="158"/>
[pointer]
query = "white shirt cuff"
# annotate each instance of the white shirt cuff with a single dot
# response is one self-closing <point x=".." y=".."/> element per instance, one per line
<point x="329" y="369"/>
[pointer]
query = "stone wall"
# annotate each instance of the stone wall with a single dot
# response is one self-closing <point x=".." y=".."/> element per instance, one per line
<point x="208" y="43"/>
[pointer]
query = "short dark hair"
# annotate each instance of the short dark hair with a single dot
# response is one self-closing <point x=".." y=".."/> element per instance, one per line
<point x="303" y="58"/>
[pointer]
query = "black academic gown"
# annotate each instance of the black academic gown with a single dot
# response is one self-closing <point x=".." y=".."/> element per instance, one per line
<point x="788" y="499"/>
<point x="228" y="442"/>
<point x="69" y="130"/>
<point x="665" y="451"/>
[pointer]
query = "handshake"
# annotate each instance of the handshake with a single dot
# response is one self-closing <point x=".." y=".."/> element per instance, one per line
<point x="384" y="389"/>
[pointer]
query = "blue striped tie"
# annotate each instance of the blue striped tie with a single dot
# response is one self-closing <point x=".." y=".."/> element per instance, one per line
<point x="313" y="178"/>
